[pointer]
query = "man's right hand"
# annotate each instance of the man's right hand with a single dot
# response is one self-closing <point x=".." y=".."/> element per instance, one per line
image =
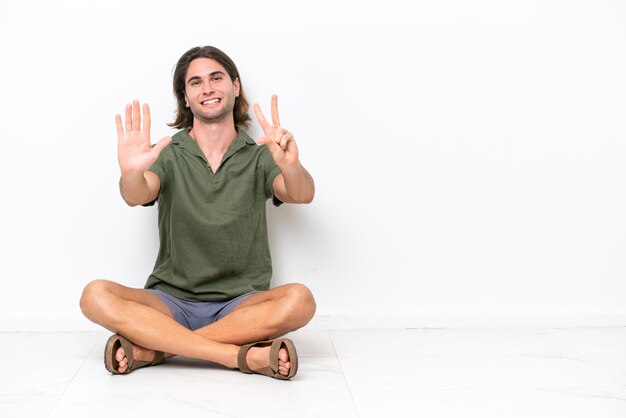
<point x="134" y="151"/>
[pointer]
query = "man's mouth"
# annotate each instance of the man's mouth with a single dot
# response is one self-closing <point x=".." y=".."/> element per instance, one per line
<point x="211" y="101"/>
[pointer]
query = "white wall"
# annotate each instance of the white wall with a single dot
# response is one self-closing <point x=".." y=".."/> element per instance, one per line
<point x="468" y="156"/>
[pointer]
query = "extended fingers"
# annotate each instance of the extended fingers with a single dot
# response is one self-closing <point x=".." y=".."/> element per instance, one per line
<point x="261" y="118"/>
<point x="132" y="119"/>
<point x="146" y="117"/>
<point x="275" y="119"/>
<point x="132" y="116"/>
<point x="119" y="127"/>
<point x="128" y="117"/>
<point x="136" y="116"/>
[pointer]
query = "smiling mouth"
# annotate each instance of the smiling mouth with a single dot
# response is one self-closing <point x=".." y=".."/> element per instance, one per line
<point x="211" y="101"/>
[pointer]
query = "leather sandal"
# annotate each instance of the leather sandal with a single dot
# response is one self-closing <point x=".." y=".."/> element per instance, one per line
<point x="272" y="369"/>
<point x="116" y="341"/>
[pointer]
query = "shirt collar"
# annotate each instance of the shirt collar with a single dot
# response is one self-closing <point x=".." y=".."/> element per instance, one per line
<point x="183" y="139"/>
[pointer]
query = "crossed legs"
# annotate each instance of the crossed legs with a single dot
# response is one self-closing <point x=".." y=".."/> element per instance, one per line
<point x="144" y="319"/>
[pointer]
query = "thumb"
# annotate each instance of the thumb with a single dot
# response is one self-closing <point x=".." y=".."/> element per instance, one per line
<point x="163" y="142"/>
<point x="271" y="145"/>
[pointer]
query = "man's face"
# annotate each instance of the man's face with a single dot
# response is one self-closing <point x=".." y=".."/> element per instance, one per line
<point x="209" y="91"/>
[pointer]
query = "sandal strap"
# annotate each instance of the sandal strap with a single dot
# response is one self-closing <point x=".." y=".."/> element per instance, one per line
<point x="274" y="349"/>
<point x="159" y="356"/>
<point x="241" y="358"/>
<point x="134" y="364"/>
<point x="243" y="352"/>
<point x="128" y="351"/>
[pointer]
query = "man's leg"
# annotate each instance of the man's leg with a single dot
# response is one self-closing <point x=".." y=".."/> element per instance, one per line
<point x="264" y="316"/>
<point x="145" y="320"/>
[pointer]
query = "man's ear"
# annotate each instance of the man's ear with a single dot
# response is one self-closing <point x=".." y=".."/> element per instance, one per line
<point x="237" y="86"/>
<point x="186" y="101"/>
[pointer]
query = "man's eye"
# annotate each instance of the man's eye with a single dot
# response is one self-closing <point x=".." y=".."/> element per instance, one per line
<point x="195" y="82"/>
<point x="217" y="78"/>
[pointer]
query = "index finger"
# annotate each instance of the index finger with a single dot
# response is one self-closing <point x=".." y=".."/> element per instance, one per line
<point x="275" y="119"/>
<point x="259" y="116"/>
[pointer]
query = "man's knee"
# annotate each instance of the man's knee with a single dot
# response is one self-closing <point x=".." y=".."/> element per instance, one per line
<point x="300" y="305"/>
<point x="94" y="298"/>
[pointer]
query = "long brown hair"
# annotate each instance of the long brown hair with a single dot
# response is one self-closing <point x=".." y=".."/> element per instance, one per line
<point x="184" y="117"/>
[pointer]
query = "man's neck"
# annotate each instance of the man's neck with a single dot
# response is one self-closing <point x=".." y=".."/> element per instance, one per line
<point x="213" y="137"/>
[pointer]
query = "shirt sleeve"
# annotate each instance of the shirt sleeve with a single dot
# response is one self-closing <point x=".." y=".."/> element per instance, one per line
<point x="271" y="171"/>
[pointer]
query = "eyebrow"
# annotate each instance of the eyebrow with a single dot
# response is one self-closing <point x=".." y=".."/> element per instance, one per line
<point x="197" y="77"/>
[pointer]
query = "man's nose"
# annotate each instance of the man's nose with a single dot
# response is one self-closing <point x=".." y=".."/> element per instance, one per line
<point x="207" y="87"/>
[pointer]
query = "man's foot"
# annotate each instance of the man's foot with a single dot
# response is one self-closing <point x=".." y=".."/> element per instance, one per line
<point x="121" y="356"/>
<point x="259" y="358"/>
<point x="277" y="358"/>
<point x="139" y="353"/>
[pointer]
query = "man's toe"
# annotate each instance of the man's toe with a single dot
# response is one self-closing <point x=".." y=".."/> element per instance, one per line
<point x="119" y="354"/>
<point x="283" y="355"/>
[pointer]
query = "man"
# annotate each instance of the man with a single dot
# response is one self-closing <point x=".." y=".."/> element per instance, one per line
<point x="208" y="297"/>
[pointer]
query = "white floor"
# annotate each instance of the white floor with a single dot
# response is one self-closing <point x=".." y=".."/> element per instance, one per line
<point x="484" y="373"/>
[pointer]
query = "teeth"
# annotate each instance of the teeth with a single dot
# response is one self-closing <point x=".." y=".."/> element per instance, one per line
<point x="212" y="101"/>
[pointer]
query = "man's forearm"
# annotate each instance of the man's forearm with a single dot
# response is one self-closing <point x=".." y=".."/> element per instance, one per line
<point x="299" y="184"/>
<point x="134" y="188"/>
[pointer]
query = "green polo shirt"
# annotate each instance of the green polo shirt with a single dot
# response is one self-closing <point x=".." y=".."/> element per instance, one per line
<point x="212" y="226"/>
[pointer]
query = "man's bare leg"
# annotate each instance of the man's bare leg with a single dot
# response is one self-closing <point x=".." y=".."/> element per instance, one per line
<point x="264" y="316"/>
<point x="145" y="320"/>
<point x="139" y="316"/>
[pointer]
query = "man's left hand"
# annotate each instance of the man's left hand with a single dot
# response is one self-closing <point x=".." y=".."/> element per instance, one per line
<point x="279" y="141"/>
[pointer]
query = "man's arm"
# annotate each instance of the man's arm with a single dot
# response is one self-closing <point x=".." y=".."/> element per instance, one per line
<point x="135" y="155"/>
<point x="294" y="184"/>
<point x="139" y="188"/>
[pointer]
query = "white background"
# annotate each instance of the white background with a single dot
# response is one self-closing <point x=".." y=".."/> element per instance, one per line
<point x="468" y="156"/>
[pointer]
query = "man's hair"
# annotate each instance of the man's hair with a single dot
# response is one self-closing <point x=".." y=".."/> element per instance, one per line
<point x="184" y="117"/>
